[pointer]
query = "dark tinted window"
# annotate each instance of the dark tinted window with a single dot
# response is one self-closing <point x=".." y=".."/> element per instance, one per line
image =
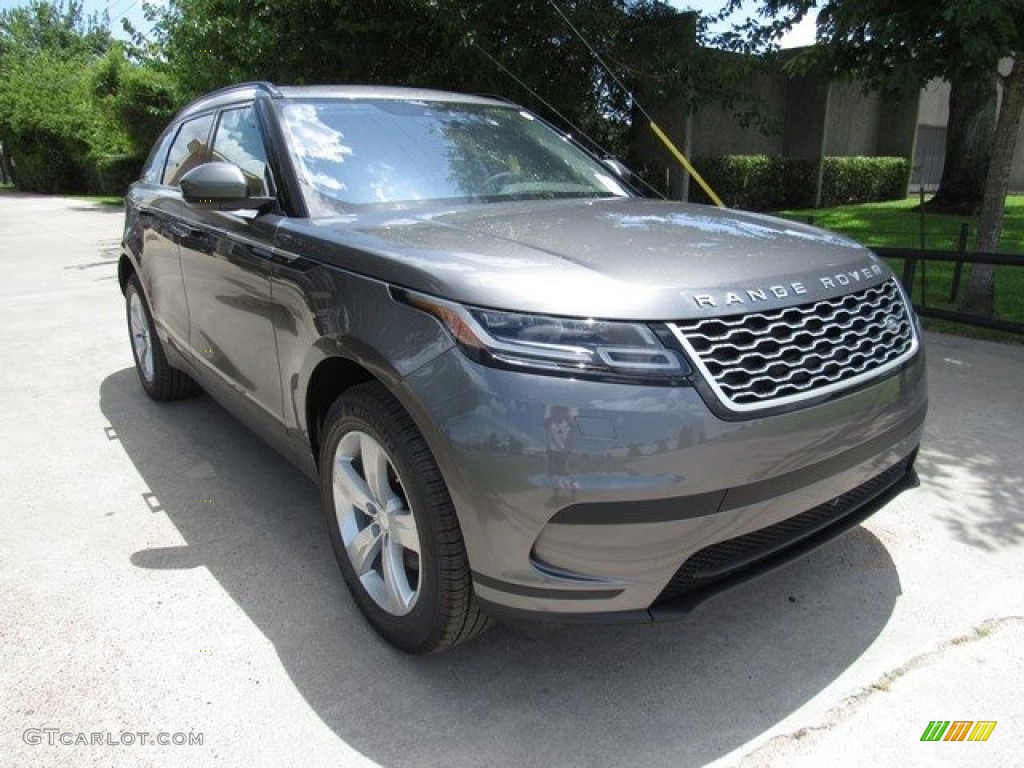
<point x="188" y="149"/>
<point x="154" y="169"/>
<point x="239" y="141"/>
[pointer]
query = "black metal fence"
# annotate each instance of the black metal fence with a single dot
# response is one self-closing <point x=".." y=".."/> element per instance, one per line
<point x="915" y="275"/>
<point x="947" y="247"/>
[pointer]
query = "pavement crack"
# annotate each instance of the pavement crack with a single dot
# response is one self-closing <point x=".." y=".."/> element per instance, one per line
<point x="855" y="701"/>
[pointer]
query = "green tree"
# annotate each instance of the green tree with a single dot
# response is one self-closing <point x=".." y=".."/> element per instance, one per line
<point x="526" y="50"/>
<point x="212" y="43"/>
<point x="48" y="122"/>
<point x="140" y="97"/>
<point x="58" y="27"/>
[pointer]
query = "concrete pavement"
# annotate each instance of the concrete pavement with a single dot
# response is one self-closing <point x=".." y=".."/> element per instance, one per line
<point x="163" y="572"/>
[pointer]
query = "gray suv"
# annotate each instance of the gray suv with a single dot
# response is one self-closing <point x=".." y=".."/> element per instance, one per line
<point x="522" y="388"/>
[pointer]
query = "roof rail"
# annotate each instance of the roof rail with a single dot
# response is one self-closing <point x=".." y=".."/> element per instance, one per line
<point x="263" y="85"/>
<point x="207" y="98"/>
<point x="498" y="97"/>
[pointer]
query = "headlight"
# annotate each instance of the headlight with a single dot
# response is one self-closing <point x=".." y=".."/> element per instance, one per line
<point x="557" y="345"/>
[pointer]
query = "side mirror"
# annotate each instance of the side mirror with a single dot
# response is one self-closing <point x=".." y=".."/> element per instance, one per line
<point x="220" y="187"/>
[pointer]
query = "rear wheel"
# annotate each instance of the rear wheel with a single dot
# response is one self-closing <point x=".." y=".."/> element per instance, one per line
<point x="392" y="525"/>
<point x="158" y="378"/>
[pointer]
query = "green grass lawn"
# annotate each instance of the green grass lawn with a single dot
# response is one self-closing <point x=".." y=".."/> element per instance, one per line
<point x="895" y="224"/>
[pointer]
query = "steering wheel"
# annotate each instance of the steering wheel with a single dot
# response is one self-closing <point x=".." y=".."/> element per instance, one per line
<point x="499" y="181"/>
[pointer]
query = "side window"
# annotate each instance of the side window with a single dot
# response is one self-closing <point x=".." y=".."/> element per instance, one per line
<point x="188" y="149"/>
<point x="239" y="141"/>
<point x="153" y="171"/>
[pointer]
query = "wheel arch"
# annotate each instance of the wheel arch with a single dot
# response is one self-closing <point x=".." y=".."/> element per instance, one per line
<point x="125" y="270"/>
<point x="328" y="381"/>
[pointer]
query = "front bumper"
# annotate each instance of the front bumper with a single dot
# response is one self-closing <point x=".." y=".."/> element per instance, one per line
<point x="588" y="499"/>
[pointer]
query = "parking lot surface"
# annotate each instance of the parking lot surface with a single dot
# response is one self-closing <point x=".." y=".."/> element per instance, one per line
<point x="166" y="576"/>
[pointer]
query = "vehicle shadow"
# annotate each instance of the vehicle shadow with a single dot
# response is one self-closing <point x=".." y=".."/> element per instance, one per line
<point x="973" y="439"/>
<point x="681" y="693"/>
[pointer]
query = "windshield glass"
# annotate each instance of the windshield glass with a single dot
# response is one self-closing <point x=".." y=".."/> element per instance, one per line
<point x="351" y="153"/>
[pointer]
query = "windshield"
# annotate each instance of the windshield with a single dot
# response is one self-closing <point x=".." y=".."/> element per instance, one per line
<point x="351" y="153"/>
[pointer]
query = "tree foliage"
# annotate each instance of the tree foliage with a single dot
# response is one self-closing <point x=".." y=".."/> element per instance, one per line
<point x="73" y="107"/>
<point x="462" y="45"/>
<point x="528" y="51"/>
<point x="54" y="27"/>
<point x="47" y="121"/>
<point x="140" y="98"/>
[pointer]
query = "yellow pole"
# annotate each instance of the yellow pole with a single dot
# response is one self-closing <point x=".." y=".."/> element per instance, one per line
<point x="686" y="164"/>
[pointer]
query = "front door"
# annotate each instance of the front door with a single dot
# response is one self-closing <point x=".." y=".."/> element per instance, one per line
<point x="226" y="264"/>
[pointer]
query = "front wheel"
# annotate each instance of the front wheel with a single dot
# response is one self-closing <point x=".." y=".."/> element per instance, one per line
<point x="158" y="378"/>
<point x="393" y="526"/>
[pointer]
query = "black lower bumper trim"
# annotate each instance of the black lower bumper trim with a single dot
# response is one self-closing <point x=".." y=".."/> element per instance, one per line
<point x="902" y="478"/>
<point x="682" y="605"/>
<point x="677" y="605"/>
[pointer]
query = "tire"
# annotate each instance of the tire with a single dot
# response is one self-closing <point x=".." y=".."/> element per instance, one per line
<point x="158" y="378"/>
<point x="393" y="526"/>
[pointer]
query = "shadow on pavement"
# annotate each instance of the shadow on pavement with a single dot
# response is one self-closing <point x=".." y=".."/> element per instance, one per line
<point x="988" y="516"/>
<point x="971" y="454"/>
<point x="519" y="695"/>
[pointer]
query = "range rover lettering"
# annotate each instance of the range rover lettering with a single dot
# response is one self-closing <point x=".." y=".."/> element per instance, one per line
<point x="523" y="388"/>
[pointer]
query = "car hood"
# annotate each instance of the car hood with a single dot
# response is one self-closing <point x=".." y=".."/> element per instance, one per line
<point x="608" y="258"/>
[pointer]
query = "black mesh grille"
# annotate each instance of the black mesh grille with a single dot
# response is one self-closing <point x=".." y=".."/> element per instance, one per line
<point x="721" y="560"/>
<point x="763" y="359"/>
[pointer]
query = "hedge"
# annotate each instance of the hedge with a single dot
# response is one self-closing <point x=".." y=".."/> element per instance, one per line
<point x="850" y="180"/>
<point x="47" y="163"/>
<point x="54" y="165"/>
<point x="112" y="174"/>
<point x="764" y="183"/>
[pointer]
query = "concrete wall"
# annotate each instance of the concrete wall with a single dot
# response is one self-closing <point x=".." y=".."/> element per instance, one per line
<point x="851" y="127"/>
<point x="806" y="107"/>
<point x="897" y="127"/>
<point x="1017" y="170"/>
<point x="811" y="115"/>
<point x="933" y="106"/>
<point x="717" y="131"/>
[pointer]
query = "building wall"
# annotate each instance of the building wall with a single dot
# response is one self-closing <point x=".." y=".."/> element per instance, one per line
<point x="933" y="107"/>
<point x="718" y="131"/>
<point x="811" y="115"/>
<point x="897" y="126"/>
<point x="851" y="128"/>
<point x="806" y="107"/>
